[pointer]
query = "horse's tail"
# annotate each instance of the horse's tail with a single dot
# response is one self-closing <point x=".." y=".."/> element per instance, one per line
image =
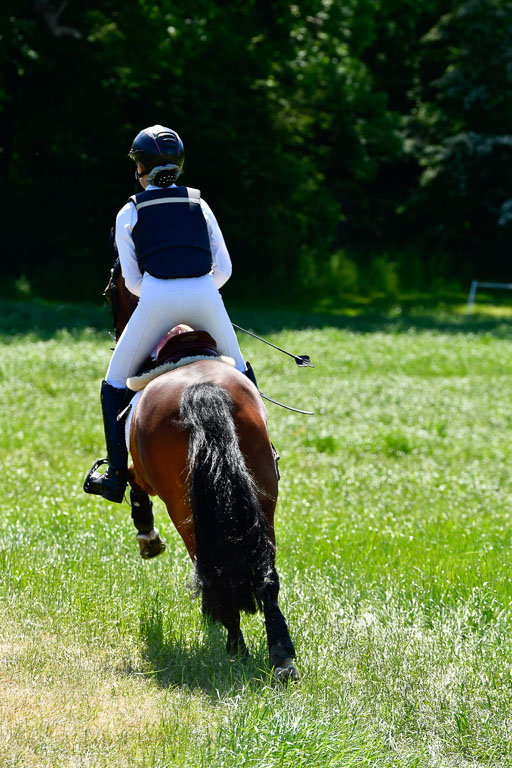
<point x="234" y="551"/>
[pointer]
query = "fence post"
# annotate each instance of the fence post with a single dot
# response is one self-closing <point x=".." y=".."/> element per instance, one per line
<point x="471" y="296"/>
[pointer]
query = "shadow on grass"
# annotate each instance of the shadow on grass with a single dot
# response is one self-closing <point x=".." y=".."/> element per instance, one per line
<point x="201" y="664"/>
<point x="44" y="320"/>
<point x="420" y="313"/>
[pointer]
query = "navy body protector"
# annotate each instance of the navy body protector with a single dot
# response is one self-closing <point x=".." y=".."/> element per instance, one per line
<point x="171" y="235"/>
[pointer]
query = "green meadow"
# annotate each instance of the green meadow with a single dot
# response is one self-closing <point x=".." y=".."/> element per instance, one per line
<point x="394" y="527"/>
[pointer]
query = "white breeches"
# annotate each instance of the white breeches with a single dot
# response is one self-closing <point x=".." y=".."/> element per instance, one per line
<point x="162" y="305"/>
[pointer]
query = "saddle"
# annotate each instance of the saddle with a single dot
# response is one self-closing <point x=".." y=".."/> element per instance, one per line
<point x="173" y="351"/>
<point x="173" y="348"/>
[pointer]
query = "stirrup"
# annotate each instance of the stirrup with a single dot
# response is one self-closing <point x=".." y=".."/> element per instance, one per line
<point x="88" y="487"/>
<point x="111" y="488"/>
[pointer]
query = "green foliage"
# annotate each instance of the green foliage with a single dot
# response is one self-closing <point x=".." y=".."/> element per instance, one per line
<point x="368" y="128"/>
<point x="461" y="131"/>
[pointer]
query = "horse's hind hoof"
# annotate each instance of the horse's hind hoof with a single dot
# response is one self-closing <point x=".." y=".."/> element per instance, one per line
<point x="287" y="672"/>
<point x="237" y="648"/>
<point x="150" y="544"/>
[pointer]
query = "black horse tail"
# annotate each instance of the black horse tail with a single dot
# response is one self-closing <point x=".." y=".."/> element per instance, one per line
<point x="234" y="550"/>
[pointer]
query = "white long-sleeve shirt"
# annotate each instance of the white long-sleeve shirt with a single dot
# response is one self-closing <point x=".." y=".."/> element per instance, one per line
<point x="125" y="222"/>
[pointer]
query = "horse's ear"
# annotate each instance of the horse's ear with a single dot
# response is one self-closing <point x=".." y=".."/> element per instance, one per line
<point x="121" y="301"/>
<point x="112" y="243"/>
<point x="111" y="294"/>
<point x="114" y="272"/>
<point x="108" y="291"/>
<point x="111" y="286"/>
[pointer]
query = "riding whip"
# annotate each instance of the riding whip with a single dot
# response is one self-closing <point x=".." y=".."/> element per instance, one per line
<point x="303" y="361"/>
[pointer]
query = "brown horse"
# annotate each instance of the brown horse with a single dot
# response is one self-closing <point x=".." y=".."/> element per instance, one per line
<point x="199" y="441"/>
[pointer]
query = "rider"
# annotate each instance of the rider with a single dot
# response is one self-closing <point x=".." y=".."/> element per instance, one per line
<point x="173" y="256"/>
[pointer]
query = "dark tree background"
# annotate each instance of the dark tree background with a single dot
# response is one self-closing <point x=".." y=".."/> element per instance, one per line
<point x="344" y="146"/>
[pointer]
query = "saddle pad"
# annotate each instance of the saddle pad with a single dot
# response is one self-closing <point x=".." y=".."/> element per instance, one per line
<point x="136" y="383"/>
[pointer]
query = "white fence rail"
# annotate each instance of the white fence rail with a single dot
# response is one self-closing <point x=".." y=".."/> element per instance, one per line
<point x="477" y="284"/>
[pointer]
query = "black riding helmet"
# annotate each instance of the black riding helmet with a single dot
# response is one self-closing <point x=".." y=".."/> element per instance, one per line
<point x="156" y="146"/>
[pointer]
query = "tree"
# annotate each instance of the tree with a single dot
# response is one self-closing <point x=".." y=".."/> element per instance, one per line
<point x="461" y="133"/>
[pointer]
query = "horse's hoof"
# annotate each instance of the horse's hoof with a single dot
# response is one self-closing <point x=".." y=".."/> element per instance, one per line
<point x="150" y="544"/>
<point x="237" y="648"/>
<point x="240" y="654"/>
<point x="287" y="672"/>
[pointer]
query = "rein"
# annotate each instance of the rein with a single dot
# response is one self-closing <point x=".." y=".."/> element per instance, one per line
<point x="288" y="407"/>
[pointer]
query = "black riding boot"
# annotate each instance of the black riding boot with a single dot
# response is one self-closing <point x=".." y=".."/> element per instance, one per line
<point x="112" y="483"/>
<point x="250" y="375"/>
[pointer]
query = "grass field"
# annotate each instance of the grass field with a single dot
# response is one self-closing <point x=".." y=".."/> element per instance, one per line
<point x="394" y="550"/>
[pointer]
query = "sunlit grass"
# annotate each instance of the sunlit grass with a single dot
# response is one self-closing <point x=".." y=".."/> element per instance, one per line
<point x="394" y="551"/>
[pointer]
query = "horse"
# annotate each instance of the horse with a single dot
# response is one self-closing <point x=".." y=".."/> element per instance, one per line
<point x="199" y="441"/>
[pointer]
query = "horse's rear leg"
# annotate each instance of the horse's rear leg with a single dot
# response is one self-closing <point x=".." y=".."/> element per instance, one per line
<point x="280" y="646"/>
<point x="235" y="645"/>
<point x="148" y="536"/>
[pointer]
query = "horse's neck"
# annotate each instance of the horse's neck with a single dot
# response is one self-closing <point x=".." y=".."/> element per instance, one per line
<point x="125" y="307"/>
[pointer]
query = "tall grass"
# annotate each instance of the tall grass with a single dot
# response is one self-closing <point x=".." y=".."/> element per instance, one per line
<point x="394" y="551"/>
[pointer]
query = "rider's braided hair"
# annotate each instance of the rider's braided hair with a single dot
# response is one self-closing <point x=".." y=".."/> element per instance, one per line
<point x="163" y="175"/>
